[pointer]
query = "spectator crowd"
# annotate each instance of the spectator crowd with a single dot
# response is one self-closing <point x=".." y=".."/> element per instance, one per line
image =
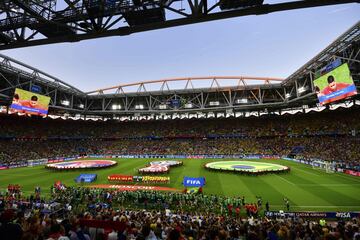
<point x="93" y="214"/>
<point x="331" y="136"/>
<point x="96" y="214"/>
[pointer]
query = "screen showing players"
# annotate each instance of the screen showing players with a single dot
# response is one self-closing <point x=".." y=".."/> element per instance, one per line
<point x="29" y="103"/>
<point x="335" y="85"/>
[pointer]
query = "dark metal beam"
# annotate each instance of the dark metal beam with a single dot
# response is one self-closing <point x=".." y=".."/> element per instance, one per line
<point x="198" y="18"/>
<point x="28" y="10"/>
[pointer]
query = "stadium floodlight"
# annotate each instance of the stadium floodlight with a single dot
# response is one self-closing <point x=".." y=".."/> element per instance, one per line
<point x="162" y="106"/>
<point x="81" y="105"/>
<point x="239" y="114"/>
<point x="288" y="95"/>
<point x="188" y="105"/>
<point x="210" y="115"/>
<point x="302" y="89"/>
<point x="139" y="107"/>
<point x="241" y="100"/>
<point x="15" y="10"/>
<point x="116" y="107"/>
<point x="220" y="114"/>
<point x="65" y="102"/>
<point x="214" y="103"/>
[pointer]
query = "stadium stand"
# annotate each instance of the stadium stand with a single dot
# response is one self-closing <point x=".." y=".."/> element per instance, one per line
<point x="46" y="138"/>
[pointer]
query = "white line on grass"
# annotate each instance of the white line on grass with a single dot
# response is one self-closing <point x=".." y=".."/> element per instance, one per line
<point x="307" y="172"/>
<point x="286" y="180"/>
<point x="329" y="184"/>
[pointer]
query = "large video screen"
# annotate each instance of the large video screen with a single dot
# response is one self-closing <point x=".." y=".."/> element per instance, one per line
<point x="29" y="103"/>
<point x="335" y="85"/>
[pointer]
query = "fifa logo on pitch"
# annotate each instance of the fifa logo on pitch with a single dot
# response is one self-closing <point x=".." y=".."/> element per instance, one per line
<point x="193" y="182"/>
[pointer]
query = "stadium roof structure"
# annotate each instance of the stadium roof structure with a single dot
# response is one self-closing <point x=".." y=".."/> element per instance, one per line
<point x="188" y="83"/>
<point x="37" y="22"/>
<point x="200" y="96"/>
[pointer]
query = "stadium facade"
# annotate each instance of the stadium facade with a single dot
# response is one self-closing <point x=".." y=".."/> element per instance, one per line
<point x="199" y="97"/>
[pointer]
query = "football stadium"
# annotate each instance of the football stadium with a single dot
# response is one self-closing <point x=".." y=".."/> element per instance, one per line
<point x="212" y="156"/>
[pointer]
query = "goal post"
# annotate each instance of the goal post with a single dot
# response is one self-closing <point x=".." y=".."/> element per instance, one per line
<point x="323" y="165"/>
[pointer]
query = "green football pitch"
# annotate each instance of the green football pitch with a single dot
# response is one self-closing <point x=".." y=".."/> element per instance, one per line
<point x="306" y="188"/>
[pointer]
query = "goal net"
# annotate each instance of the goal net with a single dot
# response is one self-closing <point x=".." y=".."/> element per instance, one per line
<point x="323" y="165"/>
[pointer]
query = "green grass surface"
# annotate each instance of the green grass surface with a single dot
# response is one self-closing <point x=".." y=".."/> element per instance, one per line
<point x="306" y="188"/>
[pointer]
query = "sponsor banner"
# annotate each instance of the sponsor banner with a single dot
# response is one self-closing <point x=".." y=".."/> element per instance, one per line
<point x="196" y="157"/>
<point x="37" y="162"/>
<point x="17" y="165"/>
<point x="193" y="182"/>
<point x="254" y="156"/>
<point x="122" y="178"/>
<point x="105" y="156"/>
<point x="86" y="177"/>
<point x="275" y="214"/>
<point x="132" y="187"/>
<point x="154" y="179"/>
<point x="270" y="156"/>
<point x="95" y="156"/>
<point x="353" y="173"/>
<point x="55" y="160"/>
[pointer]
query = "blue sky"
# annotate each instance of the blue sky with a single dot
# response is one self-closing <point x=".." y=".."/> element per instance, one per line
<point x="273" y="45"/>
